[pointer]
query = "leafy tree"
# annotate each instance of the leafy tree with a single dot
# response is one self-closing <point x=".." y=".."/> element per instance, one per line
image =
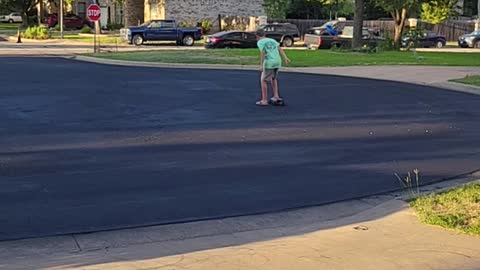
<point x="320" y="9"/>
<point x="26" y="7"/>
<point x="373" y="11"/>
<point x="437" y="11"/>
<point x="277" y="8"/>
<point x="398" y="9"/>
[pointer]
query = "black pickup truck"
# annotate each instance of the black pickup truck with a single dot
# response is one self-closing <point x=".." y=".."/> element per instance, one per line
<point x="161" y="30"/>
<point x="320" y="38"/>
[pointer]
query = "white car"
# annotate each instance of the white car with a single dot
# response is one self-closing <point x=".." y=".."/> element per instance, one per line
<point x="14" y="17"/>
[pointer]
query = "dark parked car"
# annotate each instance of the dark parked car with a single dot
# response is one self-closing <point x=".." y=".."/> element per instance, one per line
<point x="285" y="33"/>
<point x="161" y="30"/>
<point x="471" y="40"/>
<point x="69" y="21"/>
<point x="231" y="40"/>
<point x="425" y="40"/>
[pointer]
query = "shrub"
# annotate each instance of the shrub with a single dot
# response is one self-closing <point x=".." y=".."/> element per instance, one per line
<point x="185" y="24"/>
<point x="86" y="30"/>
<point x="36" y="32"/>
<point x="206" y="26"/>
<point x="387" y="44"/>
<point x="114" y="26"/>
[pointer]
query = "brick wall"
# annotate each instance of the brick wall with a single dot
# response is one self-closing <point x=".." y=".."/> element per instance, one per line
<point x="195" y="10"/>
<point x="134" y="12"/>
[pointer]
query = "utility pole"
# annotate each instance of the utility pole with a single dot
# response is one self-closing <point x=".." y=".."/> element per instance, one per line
<point x="61" y="19"/>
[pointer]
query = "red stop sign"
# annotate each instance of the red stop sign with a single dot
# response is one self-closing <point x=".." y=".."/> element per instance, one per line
<point x="94" y="12"/>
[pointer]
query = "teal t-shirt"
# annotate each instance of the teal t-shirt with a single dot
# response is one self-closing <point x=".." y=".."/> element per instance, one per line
<point x="272" y="55"/>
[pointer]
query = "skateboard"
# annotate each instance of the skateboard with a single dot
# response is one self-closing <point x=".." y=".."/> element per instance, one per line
<point x="280" y="102"/>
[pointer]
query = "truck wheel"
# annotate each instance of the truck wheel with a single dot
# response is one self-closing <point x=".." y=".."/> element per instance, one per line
<point x="287" y="42"/>
<point x="188" y="41"/>
<point x="439" y="44"/>
<point x="137" y="40"/>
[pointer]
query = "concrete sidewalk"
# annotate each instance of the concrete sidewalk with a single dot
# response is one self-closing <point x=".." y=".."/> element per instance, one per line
<point x="379" y="232"/>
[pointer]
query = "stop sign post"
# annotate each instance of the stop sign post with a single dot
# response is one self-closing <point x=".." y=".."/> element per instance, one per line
<point x="93" y="14"/>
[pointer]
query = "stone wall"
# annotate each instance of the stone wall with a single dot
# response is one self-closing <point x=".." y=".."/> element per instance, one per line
<point x="134" y="12"/>
<point x="193" y="11"/>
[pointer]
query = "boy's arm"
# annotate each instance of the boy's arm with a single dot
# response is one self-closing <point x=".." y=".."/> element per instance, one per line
<point x="284" y="56"/>
<point x="262" y="59"/>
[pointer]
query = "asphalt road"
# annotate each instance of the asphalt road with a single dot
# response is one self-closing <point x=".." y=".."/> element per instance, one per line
<point x="87" y="147"/>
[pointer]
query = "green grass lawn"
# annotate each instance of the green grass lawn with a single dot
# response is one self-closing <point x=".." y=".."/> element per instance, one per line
<point x="472" y="80"/>
<point x="110" y="40"/>
<point x="101" y="39"/>
<point x="457" y="209"/>
<point x="74" y="36"/>
<point x="300" y="58"/>
<point x="9" y="28"/>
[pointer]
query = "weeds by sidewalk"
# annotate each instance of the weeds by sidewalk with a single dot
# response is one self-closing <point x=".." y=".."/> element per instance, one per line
<point x="472" y="80"/>
<point x="457" y="209"/>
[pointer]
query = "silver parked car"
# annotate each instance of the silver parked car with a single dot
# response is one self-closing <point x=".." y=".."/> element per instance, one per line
<point x="13" y="17"/>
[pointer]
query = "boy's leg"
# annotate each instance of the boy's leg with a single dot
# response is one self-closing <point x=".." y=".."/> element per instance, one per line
<point x="276" y="93"/>
<point x="264" y="87"/>
<point x="264" y="90"/>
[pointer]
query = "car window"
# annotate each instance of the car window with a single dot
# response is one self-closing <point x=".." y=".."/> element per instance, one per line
<point x="16" y="14"/>
<point x="249" y="36"/>
<point x="476" y="33"/>
<point x="167" y="25"/>
<point x="220" y="34"/>
<point x="269" y="29"/>
<point x="235" y="35"/>
<point x="292" y="28"/>
<point x="155" y="25"/>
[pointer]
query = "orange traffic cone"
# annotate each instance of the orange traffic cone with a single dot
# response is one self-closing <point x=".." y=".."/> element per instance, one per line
<point x="19" y="37"/>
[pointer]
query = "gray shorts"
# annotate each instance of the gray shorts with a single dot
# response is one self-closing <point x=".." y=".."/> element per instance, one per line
<point x="270" y="74"/>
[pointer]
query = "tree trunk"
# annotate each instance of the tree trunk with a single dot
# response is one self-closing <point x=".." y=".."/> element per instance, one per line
<point x="358" y="24"/>
<point x="400" y="18"/>
<point x="25" y="18"/>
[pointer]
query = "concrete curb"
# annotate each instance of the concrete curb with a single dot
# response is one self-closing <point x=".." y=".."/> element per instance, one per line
<point x="159" y="65"/>
<point x="26" y="40"/>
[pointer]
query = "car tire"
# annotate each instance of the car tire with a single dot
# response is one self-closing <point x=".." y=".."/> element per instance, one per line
<point x="411" y="44"/>
<point x="439" y="44"/>
<point x="10" y="21"/>
<point x="287" y="42"/>
<point x="188" y="40"/>
<point x="137" y="40"/>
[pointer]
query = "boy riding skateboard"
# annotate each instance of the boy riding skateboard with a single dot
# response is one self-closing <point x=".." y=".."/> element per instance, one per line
<point x="270" y="64"/>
